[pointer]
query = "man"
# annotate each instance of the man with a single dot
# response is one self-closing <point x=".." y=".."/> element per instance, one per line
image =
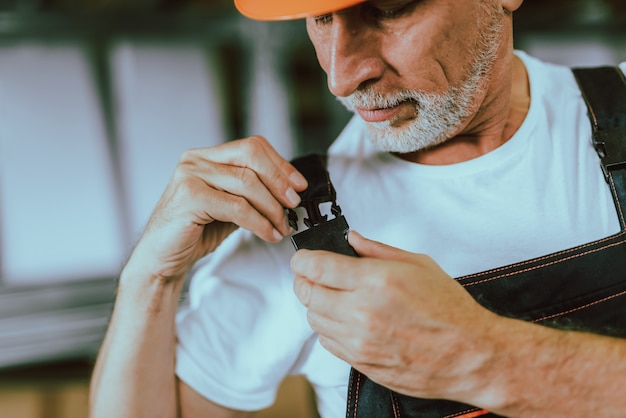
<point x="460" y="150"/>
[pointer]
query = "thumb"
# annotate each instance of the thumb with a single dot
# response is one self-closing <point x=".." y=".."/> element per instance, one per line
<point x="374" y="249"/>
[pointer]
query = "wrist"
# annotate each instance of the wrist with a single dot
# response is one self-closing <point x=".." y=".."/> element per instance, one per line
<point x="146" y="267"/>
<point x="519" y="369"/>
<point x="482" y="364"/>
<point x="148" y="288"/>
<point x="493" y="390"/>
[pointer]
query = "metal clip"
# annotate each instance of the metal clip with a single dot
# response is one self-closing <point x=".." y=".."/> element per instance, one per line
<point x="314" y="214"/>
<point x="610" y="144"/>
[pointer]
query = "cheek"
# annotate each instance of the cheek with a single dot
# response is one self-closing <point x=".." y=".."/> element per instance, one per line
<point x="417" y="50"/>
<point x="415" y="60"/>
<point x="430" y="57"/>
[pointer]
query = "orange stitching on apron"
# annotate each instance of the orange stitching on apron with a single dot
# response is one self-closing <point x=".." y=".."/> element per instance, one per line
<point x="535" y="260"/>
<point x="396" y="407"/>
<point x="350" y="392"/>
<point x="543" y="265"/>
<point x="356" y="394"/>
<point x="470" y="413"/>
<point x="581" y="307"/>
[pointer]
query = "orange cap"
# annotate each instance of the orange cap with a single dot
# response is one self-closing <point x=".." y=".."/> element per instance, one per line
<point x="290" y="9"/>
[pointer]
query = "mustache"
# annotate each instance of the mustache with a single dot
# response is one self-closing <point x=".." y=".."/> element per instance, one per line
<point x="369" y="99"/>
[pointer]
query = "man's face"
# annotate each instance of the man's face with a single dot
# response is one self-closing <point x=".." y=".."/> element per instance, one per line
<point x="414" y="70"/>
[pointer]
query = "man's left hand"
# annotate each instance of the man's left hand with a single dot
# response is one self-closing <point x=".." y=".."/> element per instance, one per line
<point x="397" y="317"/>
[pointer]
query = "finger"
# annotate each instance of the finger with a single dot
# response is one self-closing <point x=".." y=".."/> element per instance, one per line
<point x="255" y="153"/>
<point x="297" y="180"/>
<point x="346" y="343"/>
<point x="302" y="288"/>
<point x="336" y="347"/>
<point x="226" y="207"/>
<point x="348" y="351"/>
<point x="332" y="334"/>
<point x="243" y="182"/>
<point x="321" y="300"/>
<point x="328" y="269"/>
<point x="374" y="249"/>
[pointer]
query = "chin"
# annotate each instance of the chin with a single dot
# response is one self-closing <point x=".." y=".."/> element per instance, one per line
<point x="402" y="140"/>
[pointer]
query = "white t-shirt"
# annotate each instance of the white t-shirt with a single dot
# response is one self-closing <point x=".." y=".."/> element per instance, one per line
<point x="243" y="328"/>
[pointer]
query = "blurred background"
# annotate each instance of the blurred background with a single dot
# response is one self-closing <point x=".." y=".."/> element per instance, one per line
<point x="98" y="99"/>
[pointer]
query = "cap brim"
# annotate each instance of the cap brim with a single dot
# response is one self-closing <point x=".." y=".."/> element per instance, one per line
<point x="290" y="9"/>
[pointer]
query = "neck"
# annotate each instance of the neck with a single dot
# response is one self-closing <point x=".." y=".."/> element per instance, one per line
<point x="499" y="116"/>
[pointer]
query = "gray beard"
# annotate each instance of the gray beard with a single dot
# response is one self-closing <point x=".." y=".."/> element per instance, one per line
<point x="439" y="116"/>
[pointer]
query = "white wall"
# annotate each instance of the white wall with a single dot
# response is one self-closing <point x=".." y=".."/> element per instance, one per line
<point x="63" y="214"/>
<point x="58" y="212"/>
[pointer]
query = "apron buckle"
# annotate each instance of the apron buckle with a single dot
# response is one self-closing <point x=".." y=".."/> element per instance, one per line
<point x="610" y="144"/>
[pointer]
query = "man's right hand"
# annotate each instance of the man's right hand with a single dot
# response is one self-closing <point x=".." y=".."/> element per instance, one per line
<point x="213" y="191"/>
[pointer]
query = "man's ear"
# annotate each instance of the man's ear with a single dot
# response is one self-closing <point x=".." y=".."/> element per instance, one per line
<point x="511" y="5"/>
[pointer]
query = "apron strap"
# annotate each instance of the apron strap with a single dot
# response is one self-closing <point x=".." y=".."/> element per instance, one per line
<point x="604" y="92"/>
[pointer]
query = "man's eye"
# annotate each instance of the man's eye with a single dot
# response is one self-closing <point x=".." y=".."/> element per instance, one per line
<point x="382" y="13"/>
<point x="386" y="14"/>
<point x="372" y="12"/>
<point x="323" y="19"/>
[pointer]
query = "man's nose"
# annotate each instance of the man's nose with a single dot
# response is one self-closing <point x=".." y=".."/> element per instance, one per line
<point x="355" y="58"/>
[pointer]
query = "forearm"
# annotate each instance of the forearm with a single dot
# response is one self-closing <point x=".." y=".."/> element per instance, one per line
<point x="212" y="192"/>
<point x="538" y="372"/>
<point x="134" y="374"/>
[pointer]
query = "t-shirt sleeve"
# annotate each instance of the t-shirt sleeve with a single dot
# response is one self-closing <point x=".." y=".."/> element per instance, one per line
<point x="242" y="328"/>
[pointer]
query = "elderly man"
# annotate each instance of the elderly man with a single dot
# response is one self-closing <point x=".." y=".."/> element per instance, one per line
<point x="464" y="159"/>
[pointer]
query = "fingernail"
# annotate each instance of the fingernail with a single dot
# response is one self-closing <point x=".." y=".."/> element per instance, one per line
<point x="303" y="291"/>
<point x="287" y="227"/>
<point x="298" y="261"/>
<point x="277" y="235"/>
<point x="292" y="197"/>
<point x="298" y="180"/>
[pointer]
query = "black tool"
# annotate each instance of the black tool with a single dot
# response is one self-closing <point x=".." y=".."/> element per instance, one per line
<point x="321" y="233"/>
